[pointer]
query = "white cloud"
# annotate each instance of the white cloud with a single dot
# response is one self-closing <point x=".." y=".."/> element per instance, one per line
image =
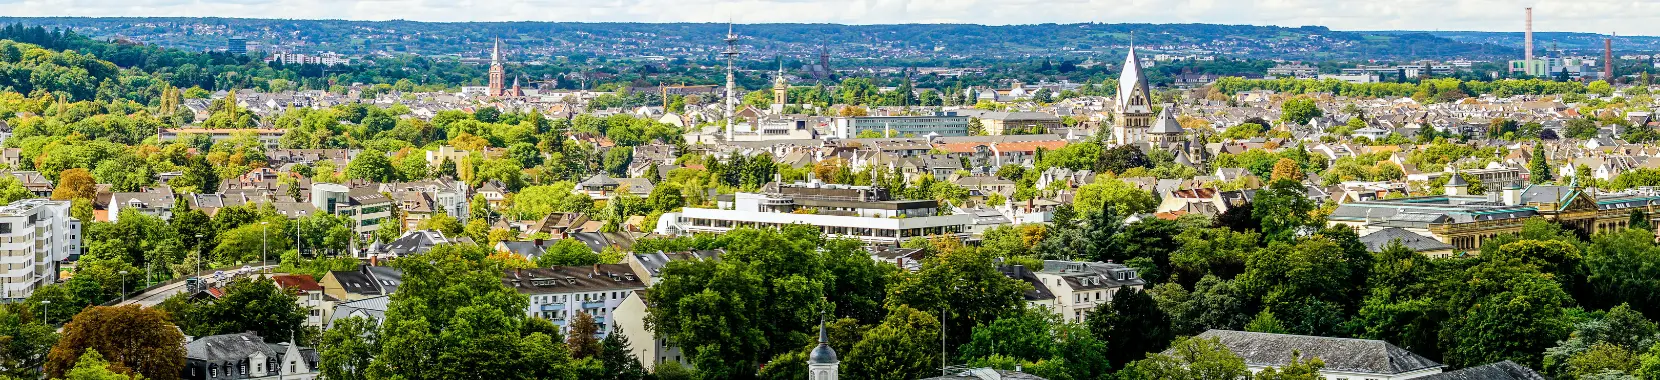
<point x="1630" y="17"/>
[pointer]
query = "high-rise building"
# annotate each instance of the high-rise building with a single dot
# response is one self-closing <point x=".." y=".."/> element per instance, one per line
<point x="236" y="45"/>
<point x="35" y="235"/>
<point x="498" y="74"/>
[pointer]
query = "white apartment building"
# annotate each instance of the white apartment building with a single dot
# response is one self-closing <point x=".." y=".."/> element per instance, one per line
<point x="557" y="294"/>
<point x="35" y="235"/>
<point x="1080" y="286"/>
<point x="861" y="212"/>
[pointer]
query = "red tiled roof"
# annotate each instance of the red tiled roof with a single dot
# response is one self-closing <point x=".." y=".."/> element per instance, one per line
<point x="1030" y="146"/>
<point x="297" y="281"/>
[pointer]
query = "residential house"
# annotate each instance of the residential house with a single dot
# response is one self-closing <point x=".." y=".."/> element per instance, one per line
<point x="157" y="202"/>
<point x="310" y="296"/>
<point x="1078" y="286"/>
<point x="368" y="281"/>
<point x="247" y="356"/>
<point x="372" y="308"/>
<point x="649" y="266"/>
<point x="630" y="315"/>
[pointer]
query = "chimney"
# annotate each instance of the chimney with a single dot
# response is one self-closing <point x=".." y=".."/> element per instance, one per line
<point x="1529" y="36"/>
<point x="1608" y="59"/>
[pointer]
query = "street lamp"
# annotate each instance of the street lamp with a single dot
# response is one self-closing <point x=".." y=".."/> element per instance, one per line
<point x="263" y="226"/>
<point x="44" y="305"/>
<point x="198" y="256"/>
<point x="123" y="286"/>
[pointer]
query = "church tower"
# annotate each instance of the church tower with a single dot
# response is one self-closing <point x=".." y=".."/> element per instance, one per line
<point x="498" y="74"/>
<point x="822" y="363"/>
<point x="1133" y="107"/>
<point x="780" y="87"/>
<point x="1165" y="129"/>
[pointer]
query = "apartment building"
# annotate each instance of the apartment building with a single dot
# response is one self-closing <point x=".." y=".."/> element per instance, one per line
<point x="365" y="206"/>
<point x="35" y="235"/>
<point x="557" y="294"/>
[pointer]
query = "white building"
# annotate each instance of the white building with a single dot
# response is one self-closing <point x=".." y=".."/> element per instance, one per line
<point x="1080" y="286"/>
<point x="35" y="235"/>
<point x="365" y="206"/>
<point x="557" y="294"/>
<point x="861" y="212"/>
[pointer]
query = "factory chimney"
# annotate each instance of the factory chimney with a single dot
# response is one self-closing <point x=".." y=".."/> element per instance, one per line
<point x="1528" y="57"/>
<point x="1608" y="59"/>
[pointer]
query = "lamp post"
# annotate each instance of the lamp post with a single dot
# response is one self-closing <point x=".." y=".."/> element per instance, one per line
<point x="198" y="256"/>
<point x="123" y="286"/>
<point x="263" y="246"/>
<point x="44" y="306"/>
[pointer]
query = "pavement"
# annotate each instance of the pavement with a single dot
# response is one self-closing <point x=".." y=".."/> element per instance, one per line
<point x="155" y="296"/>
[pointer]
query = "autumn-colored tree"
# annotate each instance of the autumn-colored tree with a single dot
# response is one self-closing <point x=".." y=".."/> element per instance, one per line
<point x="512" y="260"/>
<point x="75" y="183"/>
<point x="581" y="339"/>
<point x="1286" y="168"/>
<point x="132" y="339"/>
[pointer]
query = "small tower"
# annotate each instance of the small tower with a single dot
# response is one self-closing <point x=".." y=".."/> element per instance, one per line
<point x="731" y="54"/>
<point x="780" y="87"/>
<point x="1165" y="129"/>
<point x="1457" y="186"/>
<point x="822" y="363"/>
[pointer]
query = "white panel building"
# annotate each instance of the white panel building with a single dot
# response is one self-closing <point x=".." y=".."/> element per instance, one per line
<point x="35" y="235"/>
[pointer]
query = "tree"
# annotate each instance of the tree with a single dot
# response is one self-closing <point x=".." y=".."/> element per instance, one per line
<point x="135" y="340"/>
<point x="1265" y="322"/>
<point x="91" y="366"/>
<point x="1121" y="196"/>
<point x="260" y="306"/>
<point x="1299" y="111"/>
<point x="1131" y="325"/>
<point x="581" y="339"/>
<point x="372" y="165"/>
<point x="1514" y="313"/>
<point x="1286" y="169"/>
<point x="1298" y="369"/>
<point x="903" y="346"/>
<point x="1539" y="170"/>
<point x="618" y="358"/>
<point x="1189" y="359"/>
<point x="75" y="183"/>
<point x="347" y="348"/>
<point x="24" y="342"/>
<point x="567" y="252"/>
<point x="12" y="190"/>
<point x="453" y="317"/>
<point x="1282" y="208"/>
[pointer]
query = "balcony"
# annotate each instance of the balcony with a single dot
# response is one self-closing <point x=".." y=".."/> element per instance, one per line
<point x="552" y="307"/>
<point x="593" y="304"/>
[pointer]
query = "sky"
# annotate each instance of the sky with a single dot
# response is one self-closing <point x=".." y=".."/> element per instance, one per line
<point x="1626" y="17"/>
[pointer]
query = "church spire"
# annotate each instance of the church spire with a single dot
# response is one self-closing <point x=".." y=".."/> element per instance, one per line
<point x="822" y="363"/>
<point x="495" y="52"/>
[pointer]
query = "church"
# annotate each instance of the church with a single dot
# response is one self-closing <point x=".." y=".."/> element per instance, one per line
<point x="498" y="76"/>
<point x="1135" y="123"/>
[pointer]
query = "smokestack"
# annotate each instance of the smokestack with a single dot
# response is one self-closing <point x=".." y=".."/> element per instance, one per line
<point x="1608" y="59"/>
<point x="1528" y="57"/>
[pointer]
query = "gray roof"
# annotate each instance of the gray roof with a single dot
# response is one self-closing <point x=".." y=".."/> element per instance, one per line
<point x="1379" y="240"/>
<point x="228" y="347"/>
<point x="1339" y="354"/>
<point x="984" y="374"/>
<point x="1505" y="370"/>
<point x="1166" y="124"/>
<point x="1457" y="180"/>
<point x="374" y="307"/>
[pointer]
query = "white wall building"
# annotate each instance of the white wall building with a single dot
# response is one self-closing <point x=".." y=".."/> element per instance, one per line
<point x="557" y="294"/>
<point x="859" y="212"/>
<point x="35" y="235"/>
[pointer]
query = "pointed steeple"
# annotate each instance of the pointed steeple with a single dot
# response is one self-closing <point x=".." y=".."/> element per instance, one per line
<point x="823" y="357"/>
<point x="1131" y="79"/>
<point x="495" y="52"/>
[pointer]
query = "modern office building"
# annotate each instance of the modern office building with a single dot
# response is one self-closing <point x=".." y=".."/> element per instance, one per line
<point x="364" y="205"/>
<point x="946" y="124"/>
<point x="35" y="235"/>
<point x="236" y="45"/>
<point x="861" y="212"/>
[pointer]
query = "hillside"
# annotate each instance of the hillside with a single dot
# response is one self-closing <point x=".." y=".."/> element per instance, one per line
<point x="937" y="43"/>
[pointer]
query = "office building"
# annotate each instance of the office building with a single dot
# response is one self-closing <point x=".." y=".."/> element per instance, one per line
<point x="860" y="212"/>
<point x="35" y="235"/>
<point x="946" y="124"/>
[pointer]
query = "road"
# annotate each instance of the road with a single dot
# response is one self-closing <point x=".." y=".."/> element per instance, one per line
<point x="157" y="295"/>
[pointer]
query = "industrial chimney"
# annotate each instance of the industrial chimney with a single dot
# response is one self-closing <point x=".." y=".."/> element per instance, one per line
<point x="1608" y="59"/>
<point x="1528" y="57"/>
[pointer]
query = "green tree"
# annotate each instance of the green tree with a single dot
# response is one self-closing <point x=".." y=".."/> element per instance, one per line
<point x="903" y="346"/>
<point x="1189" y="359"/>
<point x="1265" y="322"/>
<point x="259" y="306"/>
<point x="1299" y="111"/>
<point x="372" y="165"/>
<point x="1122" y="196"/>
<point x="1539" y="169"/>
<point x="1131" y="325"/>
<point x="581" y="340"/>
<point x="1298" y="369"/>
<point x="567" y="252"/>
<point x="1282" y="208"/>
<point x="24" y="342"/>
<point x="91" y="366"/>
<point x="348" y="348"/>
<point x="618" y="358"/>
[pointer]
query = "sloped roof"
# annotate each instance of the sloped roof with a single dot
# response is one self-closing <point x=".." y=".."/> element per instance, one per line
<point x="1377" y="241"/>
<point x="1339" y="354"/>
<point x="1505" y="370"/>
<point x="1131" y="79"/>
<point x="1166" y="124"/>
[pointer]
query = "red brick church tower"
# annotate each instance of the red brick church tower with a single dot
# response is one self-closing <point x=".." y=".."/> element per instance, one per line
<point x="498" y="75"/>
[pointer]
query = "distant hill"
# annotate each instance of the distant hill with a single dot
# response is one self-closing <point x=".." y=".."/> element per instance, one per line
<point x="915" y="43"/>
<point x="1572" y="43"/>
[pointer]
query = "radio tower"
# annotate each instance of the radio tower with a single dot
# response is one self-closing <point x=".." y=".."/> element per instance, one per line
<point x="731" y="54"/>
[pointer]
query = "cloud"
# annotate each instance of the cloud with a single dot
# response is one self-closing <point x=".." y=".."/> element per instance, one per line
<point x="1629" y="17"/>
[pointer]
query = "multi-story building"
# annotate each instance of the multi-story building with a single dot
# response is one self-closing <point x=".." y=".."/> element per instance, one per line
<point x="246" y="356"/>
<point x="309" y="296"/>
<point x="1002" y="123"/>
<point x="365" y="206"/>
<point x="1466" y="221"/>
<point x="861" y="212"/>
<point x="35" y="235"/>
<point x="1294" y="71"/>
<point x="1079" y="286"/>
<point x="557" y="294"/>
<point x="420" y="200"/>
<point x="947" y="124"/>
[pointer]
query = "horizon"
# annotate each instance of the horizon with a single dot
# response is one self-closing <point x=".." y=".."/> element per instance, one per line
<point x="1491" y="16"/>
